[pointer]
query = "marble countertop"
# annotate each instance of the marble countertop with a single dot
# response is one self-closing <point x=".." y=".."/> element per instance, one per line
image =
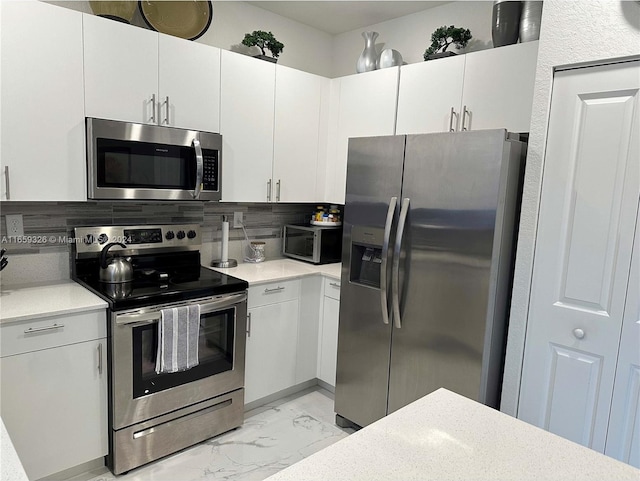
<point x="32" y="301"/>
<point x="278" y="270"/>
<point x="10" y="468"/>
<point x="444" y="436"/>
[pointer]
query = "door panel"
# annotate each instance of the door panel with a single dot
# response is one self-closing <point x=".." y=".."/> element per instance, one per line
<point x="374" y="175"/>
<point x="586" y="225"/>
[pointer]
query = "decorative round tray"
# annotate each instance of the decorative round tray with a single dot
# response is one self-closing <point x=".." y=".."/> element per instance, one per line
<point x="326" y="224"/>
<point x="189" y="20"/>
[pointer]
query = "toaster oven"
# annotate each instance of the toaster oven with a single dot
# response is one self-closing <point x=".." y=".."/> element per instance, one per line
<point x="315" y="244"/>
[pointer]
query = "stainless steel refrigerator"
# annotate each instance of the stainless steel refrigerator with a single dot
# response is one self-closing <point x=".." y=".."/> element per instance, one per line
<point x="427" y="257"/>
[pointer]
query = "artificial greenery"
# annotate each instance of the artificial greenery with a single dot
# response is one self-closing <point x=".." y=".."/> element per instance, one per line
<point x="263" y="40"/>
<point x="444" y="36"/>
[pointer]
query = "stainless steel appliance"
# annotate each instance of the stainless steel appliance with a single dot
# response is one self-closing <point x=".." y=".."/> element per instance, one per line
<point x="428" y="249"/>
<point x="149" y="162"/>
<point x="310" y="243"/>
<point x="152" y="415"/>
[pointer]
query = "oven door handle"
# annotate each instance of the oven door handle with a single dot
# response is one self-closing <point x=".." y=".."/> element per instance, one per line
<point x="150" y="317"/>
<point x="199" y="166"/>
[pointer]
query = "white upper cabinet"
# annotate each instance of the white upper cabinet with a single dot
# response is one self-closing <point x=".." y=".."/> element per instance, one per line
<point x="189" y="80"/>
<point x="121" y="71"/>
<point x="136" y="75"/>
<point x="298" y="104"/>
<point x="246" y="124"/>
<point x="366" y="107"/>
<point x="429" y="96"/>
<point x="42" y="151"/>
<point x="498" y="88"/>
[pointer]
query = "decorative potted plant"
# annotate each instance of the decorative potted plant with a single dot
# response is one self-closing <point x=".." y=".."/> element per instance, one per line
<point x="264" y="40"/>
<point x="443" y="37"/>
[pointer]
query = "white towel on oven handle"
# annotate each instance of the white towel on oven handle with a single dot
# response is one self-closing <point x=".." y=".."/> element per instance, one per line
<point x="178" y="334"/>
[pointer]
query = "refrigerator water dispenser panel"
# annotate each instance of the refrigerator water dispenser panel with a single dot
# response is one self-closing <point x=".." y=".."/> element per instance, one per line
<point x="366" y="256"/>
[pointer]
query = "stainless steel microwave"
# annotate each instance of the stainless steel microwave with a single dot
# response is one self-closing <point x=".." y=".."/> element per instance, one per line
<point x="148" y="162"/>
<point x="315" y="244"/>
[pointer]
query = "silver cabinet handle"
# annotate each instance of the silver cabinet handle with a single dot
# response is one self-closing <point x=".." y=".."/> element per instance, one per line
<point x="199" y="167"/>
<point x="153" y="108"/>
<point x="278" y="191"/>
<point x="7" y="194"/>
<point x="40" y="329"/>
<point x="465" y="112"/>
<point x="275" y="289"/>
<point x="249" y="324"/>
<point x="453" y="114"/>
<point x="269" y="190"/>
<point x="334" y="284"/>
<point x="395" y="287"/>
<point x="166" y="115"/>
<point x="384" y="300"/>
<point x="100" y="358"/>
<point x="579" y="333"/>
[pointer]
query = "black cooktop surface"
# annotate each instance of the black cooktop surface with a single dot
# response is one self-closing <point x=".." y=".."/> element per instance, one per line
<point x="159" y="280"/>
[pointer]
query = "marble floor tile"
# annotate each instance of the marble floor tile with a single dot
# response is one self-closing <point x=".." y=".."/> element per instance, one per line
<point x="272" y="438"/>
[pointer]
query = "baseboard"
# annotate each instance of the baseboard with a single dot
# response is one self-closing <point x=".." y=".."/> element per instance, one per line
<point x="327" y="386"/>
<point x="280" y="394"/>
<point x="89" y="469"/>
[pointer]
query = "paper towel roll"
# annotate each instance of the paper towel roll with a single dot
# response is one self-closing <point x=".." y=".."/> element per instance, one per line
<point x="224" y="255"/>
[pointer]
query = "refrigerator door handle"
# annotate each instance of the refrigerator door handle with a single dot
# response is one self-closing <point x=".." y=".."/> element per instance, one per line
<point x="384" y="302"/>
<point x="395" y="280"/>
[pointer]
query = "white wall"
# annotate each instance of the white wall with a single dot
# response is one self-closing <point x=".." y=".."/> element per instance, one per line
<point x="411" y="34"/>
<point x="572" y="32"/>
<point x="305" y="48"/>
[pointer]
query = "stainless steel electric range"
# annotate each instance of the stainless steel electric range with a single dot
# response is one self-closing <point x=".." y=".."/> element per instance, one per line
<point x="152" y="415"/>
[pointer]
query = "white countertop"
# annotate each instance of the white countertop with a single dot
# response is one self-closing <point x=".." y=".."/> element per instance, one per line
<point x="10" y="468"/>
<point x="444" y="436"/>
<point x="31" y="301"/>
<point x="278" y="270"/>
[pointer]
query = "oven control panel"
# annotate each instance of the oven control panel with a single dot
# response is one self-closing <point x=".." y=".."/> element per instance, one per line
<point x="91" y="240"/>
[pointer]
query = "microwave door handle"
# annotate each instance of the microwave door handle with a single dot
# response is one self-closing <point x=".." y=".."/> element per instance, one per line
<point x="199" y="167"/>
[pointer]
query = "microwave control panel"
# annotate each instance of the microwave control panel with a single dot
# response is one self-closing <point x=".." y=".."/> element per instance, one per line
<point x="210" y="170"/>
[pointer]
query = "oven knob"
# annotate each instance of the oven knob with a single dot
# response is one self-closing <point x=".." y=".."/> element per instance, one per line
<point x="191" y="234"/>
<point x="180" y="234"/>
<point x="102" y="238"/>
<point x="89" y="239"/>
<point x="169" y="235"/>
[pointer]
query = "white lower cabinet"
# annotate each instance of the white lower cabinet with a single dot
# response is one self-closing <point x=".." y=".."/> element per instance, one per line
<point x="54" y="391"/>
<point x="328" y="342"/>
<point x="272" y="337"/>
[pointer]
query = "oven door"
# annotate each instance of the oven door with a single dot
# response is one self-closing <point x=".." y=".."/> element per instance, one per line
<point x="138" y="393"/>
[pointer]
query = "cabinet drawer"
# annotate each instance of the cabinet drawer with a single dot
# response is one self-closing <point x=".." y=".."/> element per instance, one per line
<point x="332" y="288"/>
<point x="33" y="335"/>
<point x="273" y="292"/>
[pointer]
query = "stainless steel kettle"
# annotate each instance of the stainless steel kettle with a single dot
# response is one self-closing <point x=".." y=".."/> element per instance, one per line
<point x="117" y="269"/>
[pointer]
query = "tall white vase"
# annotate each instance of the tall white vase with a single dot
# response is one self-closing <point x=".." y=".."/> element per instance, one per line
<point x="530" y="21"/>
<point x="369" y="56"/>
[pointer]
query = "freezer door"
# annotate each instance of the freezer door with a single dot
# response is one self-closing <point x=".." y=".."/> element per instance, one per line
<point x="374" y="176"/>
<point x="449" y="265"/>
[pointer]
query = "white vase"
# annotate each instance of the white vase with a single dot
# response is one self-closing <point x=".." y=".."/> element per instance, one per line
<point x="530" y="21"/>
<point x="368" y="57"/>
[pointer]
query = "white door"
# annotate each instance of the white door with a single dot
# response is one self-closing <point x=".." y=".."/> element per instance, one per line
<point x="498" y="87"/>
<point x="429" y="96"/>
<point x="296" y="136"/>
<point x="588" y="211"/>
<point x="189" y="80"/>
<point x="367" y="107"/>
<point x="42" y="103"/>
<point x="247" y="92"/>
<point x="121" y="71"/>
<point x="623" y="437"/>
<point x="272" y="339"/>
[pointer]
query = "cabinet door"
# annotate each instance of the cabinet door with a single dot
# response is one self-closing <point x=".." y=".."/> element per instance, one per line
<point x="367" y="107"/>
<point x="623" y="436"/>
<point x="247" y="91"/>
<point x="54" y="405"/>
<point x="42" y="103"/>
<point x="498" y="87"/>
<point x="272" y="336"/>
<point x="588" y="211"/>
<point x="121" y="71"/>
<point x="189" y="78"/>
<point x="429" y="96"/>
<point x="296" y="136"/>
<point x="329" y="341"/>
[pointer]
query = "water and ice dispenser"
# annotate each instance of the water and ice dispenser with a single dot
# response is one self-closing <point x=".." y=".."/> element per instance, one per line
<point x="366" y="255"/>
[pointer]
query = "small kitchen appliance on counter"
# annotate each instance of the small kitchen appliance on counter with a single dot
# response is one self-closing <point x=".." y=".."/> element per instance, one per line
<point x="153" y="414"/>
<point x="312" y="243"/>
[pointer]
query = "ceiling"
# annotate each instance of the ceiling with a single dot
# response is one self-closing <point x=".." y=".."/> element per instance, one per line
<point x="339" y="17"/>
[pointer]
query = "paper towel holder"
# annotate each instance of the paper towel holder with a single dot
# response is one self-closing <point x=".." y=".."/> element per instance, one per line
<point x="225" y="262"/>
